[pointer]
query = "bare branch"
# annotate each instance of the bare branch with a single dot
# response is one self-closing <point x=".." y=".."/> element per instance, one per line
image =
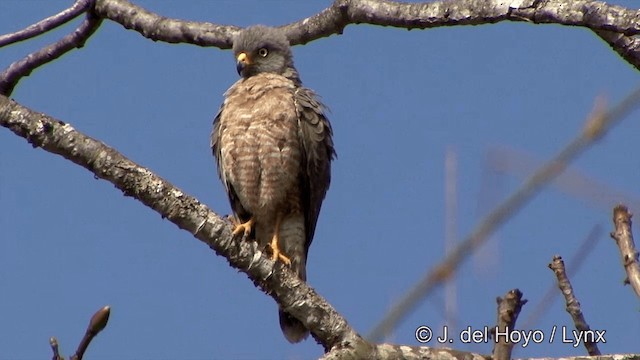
<point x="613" y="23"/>
<point x="588" y="244"/>
<point x="156" y="27"/>
<point x="628" y="47"/>
<point x="47" y="24"/>
<point x="508" y="310"/>
<point x="573" y="305"/>
<point x="9" y="77"/>
<point x="54" y="347"/>
<point x="598" y="124"/>
<point x="389" y="351"/>
<point x="97" y="323"/>
<point x="591" y="14"/>
<point x="276" y="280"/>
<point x="624" y="239"/>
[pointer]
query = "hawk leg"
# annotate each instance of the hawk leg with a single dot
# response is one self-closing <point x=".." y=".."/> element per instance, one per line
<point x="276" y="253"/>
<point x="243" y="228"/>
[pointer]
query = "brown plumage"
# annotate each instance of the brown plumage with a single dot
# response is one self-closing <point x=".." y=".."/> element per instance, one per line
<point x="273" y="147"/>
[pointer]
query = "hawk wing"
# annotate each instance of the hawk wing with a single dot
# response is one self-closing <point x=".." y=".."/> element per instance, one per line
<point x="314" y="131"/>
<point x="236" y="206"/>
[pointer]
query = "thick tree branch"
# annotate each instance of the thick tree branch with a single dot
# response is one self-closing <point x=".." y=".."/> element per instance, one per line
<point x="160" y="28"/>
<point x="19" y="69"/>
<point x="47" y="24"/>
<point x="278" y="281"/>
<point x="388" y="351"/>
<point x="327" y="326"/>
<point x="595" y="15"/>
<point x="597" y="125"/>
<point x="573" y="305"/>
<point x="612" y="23"/>
<point x="624" y="239"/>
<point x="628" y="47"/>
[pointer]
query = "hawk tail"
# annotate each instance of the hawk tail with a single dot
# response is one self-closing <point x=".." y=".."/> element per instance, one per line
<point x="292" y="328"/>
<point x="294" y="244"/>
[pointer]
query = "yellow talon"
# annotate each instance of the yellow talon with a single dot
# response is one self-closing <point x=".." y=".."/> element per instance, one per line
<point x="276" y="253"/>
<point x="243" y="228"/>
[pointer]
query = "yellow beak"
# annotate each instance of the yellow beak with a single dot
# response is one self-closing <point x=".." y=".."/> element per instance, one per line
<point x="242" y="60"/>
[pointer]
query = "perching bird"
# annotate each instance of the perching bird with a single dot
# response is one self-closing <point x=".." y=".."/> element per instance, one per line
<point x="273" y="147"/>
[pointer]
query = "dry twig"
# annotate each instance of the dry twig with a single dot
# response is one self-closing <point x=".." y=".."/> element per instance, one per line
<point x="573" y="306"/>
<point x="97" y="323"/>
<point x="508" y="310"/>
<point x="588" y="244"/>
<point x="624" y="239"/>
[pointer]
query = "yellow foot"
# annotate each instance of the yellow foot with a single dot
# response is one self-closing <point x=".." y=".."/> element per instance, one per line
<point x="276" y="254"/>
<point x="243" y="228"/>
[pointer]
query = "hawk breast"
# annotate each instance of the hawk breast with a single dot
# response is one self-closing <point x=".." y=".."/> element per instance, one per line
<point x="260" y="149"/>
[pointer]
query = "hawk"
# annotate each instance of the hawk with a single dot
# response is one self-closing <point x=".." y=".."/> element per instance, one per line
<point x="273" y="147"/>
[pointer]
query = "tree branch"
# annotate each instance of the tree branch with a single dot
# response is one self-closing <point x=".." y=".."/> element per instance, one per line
<point x="614" y="24"/>
<point x="575" y="263"/>
<point x="573" y="305"/>
<point x="47" y="24"/>
<point x="160" y="28"/>
<point x="276" y="280"/>
<point x="10" y="77"/>
<point x="595" y="15"/>
<point x="624" y="239"/>
<point x="628" y="47"/>
<point x="508" y="310"/>
<point x="97" y="323"/>
<point x="294" y="296"/>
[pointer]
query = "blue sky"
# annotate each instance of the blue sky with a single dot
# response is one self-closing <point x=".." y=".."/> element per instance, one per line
<point x="71" y="243"/>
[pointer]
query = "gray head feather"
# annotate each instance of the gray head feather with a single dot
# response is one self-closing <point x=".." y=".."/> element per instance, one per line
<point x="266" y="50"/>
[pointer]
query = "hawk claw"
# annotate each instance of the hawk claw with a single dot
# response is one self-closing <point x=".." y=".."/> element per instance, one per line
<point x="242" y="228"/>
<point x="276" y="254"/>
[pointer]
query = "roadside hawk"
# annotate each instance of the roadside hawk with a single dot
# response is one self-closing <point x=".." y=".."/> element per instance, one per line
<point x="273" y="147"/>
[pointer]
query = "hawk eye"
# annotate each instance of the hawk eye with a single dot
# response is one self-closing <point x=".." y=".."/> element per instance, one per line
<point x="263" y="52"/>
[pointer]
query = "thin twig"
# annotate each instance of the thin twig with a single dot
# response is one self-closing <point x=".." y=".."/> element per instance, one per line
<point x="47" y="24"/>
<point x="10" y="77"/>
<point x="573" y="307"/>
<point x="624" y="239"/>
<point x="55" y="348"/>
<point x="508" y="310"/>
<point x="97" y="323"/>
<point x="588" y="244"/>
<point x="598" y="124"/>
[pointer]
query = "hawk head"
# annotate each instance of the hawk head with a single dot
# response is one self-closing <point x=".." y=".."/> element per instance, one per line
<point x="262" y="49"/>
